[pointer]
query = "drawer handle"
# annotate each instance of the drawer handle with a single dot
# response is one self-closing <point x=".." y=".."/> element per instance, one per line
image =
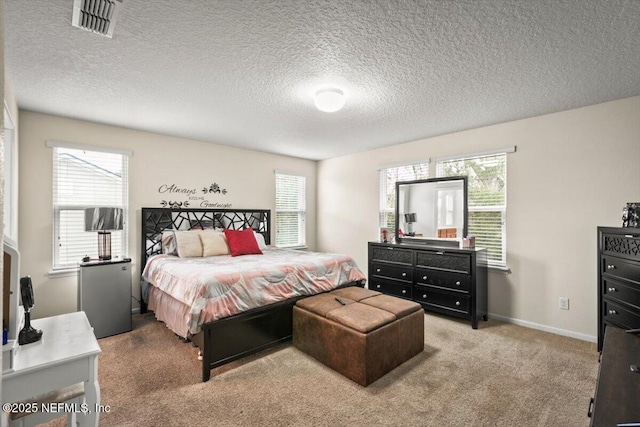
<point x="424" y="296"/>
<point x="404" y="274"/>
<point x="590" y="410"/>
<point x="612" y="290"/>
<point x="404" y="291"/>
<point x="611" y="267"/>
<point x="424" y="277"/>
<point x="613" y="312"/>
<point x="458" y="283"/>
<point x="377" y="270"/>
<point x="377" y="286"/>
<point x="457" y="303"/>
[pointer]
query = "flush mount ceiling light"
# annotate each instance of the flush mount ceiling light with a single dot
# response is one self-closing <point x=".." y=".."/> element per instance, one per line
<point x="329" y="100"/>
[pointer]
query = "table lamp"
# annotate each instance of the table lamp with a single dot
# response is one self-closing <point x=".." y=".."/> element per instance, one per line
<point x="103" y="220"/>
<point x="410" y="218"/>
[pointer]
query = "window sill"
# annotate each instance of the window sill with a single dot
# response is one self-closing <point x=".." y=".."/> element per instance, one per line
<point x="301" y="247"/>
<point x="500" y="269"/>
<point x="66" y="272"/>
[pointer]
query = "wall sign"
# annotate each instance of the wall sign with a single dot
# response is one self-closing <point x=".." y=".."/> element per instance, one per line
<point x="192" y="197"/>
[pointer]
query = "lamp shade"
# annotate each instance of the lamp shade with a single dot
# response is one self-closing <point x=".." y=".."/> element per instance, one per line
<point x="410" y="217"/>
<point x="103" y="219"/>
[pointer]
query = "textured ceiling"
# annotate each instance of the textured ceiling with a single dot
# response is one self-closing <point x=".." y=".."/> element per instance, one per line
<point x="243" y="73"/>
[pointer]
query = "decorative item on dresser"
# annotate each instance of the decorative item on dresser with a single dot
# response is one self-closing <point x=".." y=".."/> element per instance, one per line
<point x="618" y="279"/>
<point x="631" y="215"/>
<point x="442" y="279"/>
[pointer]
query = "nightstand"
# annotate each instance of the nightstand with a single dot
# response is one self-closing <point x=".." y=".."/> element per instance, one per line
<point x="104" y="294"/>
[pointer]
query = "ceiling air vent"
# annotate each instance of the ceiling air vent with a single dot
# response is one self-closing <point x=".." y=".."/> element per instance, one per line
<point x="98" y="16"/>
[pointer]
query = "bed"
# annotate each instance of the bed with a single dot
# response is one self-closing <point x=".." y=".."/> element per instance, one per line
<point x="227" y="306"/>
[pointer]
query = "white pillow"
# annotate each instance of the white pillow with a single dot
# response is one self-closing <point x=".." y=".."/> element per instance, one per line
<point x="260" y="239"/>
<point x="169" y="243"/>
<point x="214" y="243"/>
<point x="189" y="244"/>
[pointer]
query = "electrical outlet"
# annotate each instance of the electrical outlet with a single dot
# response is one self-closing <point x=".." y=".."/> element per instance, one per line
<point x="564" y="303"/>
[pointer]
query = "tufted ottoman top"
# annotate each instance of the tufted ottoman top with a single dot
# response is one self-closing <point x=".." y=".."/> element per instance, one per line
<point x="354" y="293"/>
<point x="398" y="306"/>
<point x="364" y="310"/>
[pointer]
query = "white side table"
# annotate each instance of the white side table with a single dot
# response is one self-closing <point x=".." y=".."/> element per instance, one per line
<point x="67" y="354"/>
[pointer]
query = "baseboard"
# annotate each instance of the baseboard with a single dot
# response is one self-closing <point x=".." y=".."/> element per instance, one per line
<point x="135" y="310"/>
<point x="545" y="328"/>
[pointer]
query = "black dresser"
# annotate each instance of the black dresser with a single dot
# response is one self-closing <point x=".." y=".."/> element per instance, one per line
<point x="618" y="279"/>
<point x="444" y="280"/>
<point x="617" y="397"/>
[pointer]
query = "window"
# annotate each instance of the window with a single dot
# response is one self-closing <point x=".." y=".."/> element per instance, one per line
<point x="487" y="200"/>
<point x="290" y="210"/>
<point x="86" y="178"/>
<point x="388" y="178"/>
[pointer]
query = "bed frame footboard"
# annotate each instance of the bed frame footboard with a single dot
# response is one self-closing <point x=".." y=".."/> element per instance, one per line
<point x="230" y="339"/>
<point x="233" y="338"/>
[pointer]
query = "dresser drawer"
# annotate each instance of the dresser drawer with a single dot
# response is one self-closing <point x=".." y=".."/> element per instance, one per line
<point x="617" y="315"/>
<point x="457" y="281"/>
<point x="625" y="245"/>
<point x="625" y="292"/>
<point x="443" y="260"/>
<point x="392" y="254"/>
<point x="443" y="279"/>
<point x="393" y="271"/>
<point x="395" y="289"/>
<point x="449" y="300"/>
<point x="613" y="266"/>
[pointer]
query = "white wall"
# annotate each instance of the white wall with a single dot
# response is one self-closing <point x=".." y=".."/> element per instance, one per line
<point x="247" y="175"/>
<point x="572" y="172"/>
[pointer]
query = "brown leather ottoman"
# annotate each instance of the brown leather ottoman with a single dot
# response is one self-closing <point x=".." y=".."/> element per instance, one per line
<point x="363" y="340"/>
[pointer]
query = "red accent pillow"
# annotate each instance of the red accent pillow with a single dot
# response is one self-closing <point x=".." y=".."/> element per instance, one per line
<point x="242" y="242"/>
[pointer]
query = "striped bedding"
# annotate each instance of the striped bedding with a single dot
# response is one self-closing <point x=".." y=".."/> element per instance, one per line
<point x="201" y="290"/>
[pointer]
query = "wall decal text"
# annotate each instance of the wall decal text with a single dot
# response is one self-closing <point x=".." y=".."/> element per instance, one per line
<point x="193" y="197"/>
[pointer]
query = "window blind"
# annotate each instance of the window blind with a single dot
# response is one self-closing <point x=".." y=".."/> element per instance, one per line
<point x="290" y="210"/>
<point x="487" y="200"/>
<point x="83" y="179"/>
<point x="388" y="178"/>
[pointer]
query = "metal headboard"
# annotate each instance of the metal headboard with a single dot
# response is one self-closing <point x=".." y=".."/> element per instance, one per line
<point x="157" y="220"/>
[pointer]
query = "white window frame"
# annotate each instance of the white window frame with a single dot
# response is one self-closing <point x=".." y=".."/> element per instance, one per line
<point x="502" y="263"/>
<point x="385" y="187"/>
<point x="59" y="269"/>
<point x="301" y="211"/>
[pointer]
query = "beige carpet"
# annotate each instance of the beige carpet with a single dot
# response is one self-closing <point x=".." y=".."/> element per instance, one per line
<point x="498" y="375"/>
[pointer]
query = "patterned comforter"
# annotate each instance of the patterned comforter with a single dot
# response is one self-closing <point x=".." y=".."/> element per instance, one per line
<point x="211" y="288"/>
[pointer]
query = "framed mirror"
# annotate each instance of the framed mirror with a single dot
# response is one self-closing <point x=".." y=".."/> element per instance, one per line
<point x="432" y="211"/>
